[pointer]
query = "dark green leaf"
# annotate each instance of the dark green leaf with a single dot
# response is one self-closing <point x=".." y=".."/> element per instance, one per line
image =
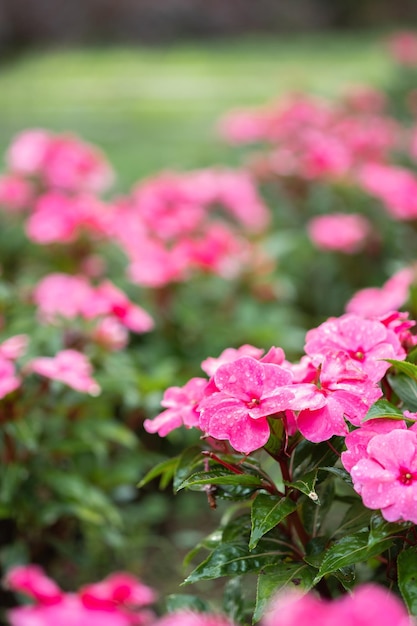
<point x="406" y="390"/>
<point x="340" y="473"/>
<point x="280" y="577"/>
<point x="267" y="512"/>
<point x="233" y="559"/>
<point x="409" y="369"/>
<point x="356" y="518"/>
<point x="350" y="550"/>
<point x="220" y="477"/>
<point x="274" y="443"/>
<point x="383" y="409"/>
<point x="407" y="577"/>
<point x="308" y="456"/>
<point x="187" y="463"/>
<point x="380" y="529"/>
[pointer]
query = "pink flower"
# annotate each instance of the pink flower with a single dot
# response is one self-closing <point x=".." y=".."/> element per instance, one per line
<point x="59" y="161"/>
<point x="396" y="187"/>
<point x="68" y="366"/>
<point x="189" y="618"/>
<point x="386" y="477"/>
<point x="32" y="581"/>
<point x="116" y="601"/>
<point x="14" y="347"/>
<point x="9" y="381"/>
<point x="109" y="300"/>
<point x="110" y="334"/>
<point x="366" y="342"/>
<point x="403" y="48"/>
<point x="119" y="589"/>
<point x="16" y="193"/>
<point x="357" y="440"/>
<point x="61" y="295"/>
<point x="180" y="403"/>
<point x="345" y="392"/>
<point x="211" y="364"/>
<point x="377" y="301"/>
<point x="27" y="152"/>
<point x="341" y="231"/>
<point x="369" y="605"/>
<point x="248" y="392"/>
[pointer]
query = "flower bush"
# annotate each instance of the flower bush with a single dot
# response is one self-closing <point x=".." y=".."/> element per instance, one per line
<point x="270" y="309"/>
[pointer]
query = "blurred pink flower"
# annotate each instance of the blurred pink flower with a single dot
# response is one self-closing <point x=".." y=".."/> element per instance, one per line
<point x="368" y="605"/>
<point x="116" y="601"/>
<point x="395" y="186"/>
<point x="403" y="48"/>
<point x="340" y="231"/>
<point x="60" y="161"/>
<point x="68" y="366"/>
<point x="16" y="193"/>
<point x="377" y="301"/>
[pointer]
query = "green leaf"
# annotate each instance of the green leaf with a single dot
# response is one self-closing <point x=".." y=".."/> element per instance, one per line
<point x="165" y="469"/>
<point x="306" y="484"/>
<point x="280" y="577"/>
<point x="380" y="529"/>
<point x="187" y="602"/>
<point x="220" y="477"/>
<point x="407" y="577"/>
<point x="339" y="472"/>
<point x="409" y="369"/>
<point x="383" y="409"/>
<point x="406" y="390"/>
<point x="308" y="456"/>
<point x="356" y="518"/>
<point x="267" y="512"/>
<point x="274" y="443"/>
<point x="349" y="550"/>
<point x="187" y="462"/>
<point x="234" y="558"/>
<point x="233" y="600"/>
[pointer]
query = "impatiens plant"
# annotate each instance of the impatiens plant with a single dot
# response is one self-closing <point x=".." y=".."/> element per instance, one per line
<point x="320" y="458"/>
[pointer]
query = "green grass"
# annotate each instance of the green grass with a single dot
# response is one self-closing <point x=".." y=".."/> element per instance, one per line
<point x="155" y="108"/>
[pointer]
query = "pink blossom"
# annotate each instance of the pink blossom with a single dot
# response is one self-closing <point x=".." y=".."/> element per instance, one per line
<point x="345" y="391"/>
<point x="211" y="364"/>
<point x="357" y="440"/>
<point x="59" y="161"/>
<point x="27" y="152"/>
<point x="116" y="601"/>
<point x="68" y="366"/>
<point x="386" y="477"/>
<point x="180" y="404"/>
<point x="61" y="295"/>
<point x="396" y="187"/>
<point x="368" y="605"/>
<point x="110" y="334"/>
<point x="118" y="589"/>
<point x="366" y="342"/>
<point x="340" y="231"/>
<point x="364" y="99"/>
<point x="243" y="126"/>
<point x="9" y="381"/>
<point x="14" y="347"/>
<point x="377" y="301"/>
<point x="248" y="392"/>
<point x="32" y="581"/>
<point x="58" y="218"/>
<point x="16" y="193"/>
<point x="403" y="48"/>
<point x="189" y="618"/>
<point x="109" y="300"/>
